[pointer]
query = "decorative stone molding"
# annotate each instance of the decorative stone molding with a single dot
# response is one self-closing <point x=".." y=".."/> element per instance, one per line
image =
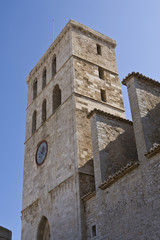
<point x="30" y="209"/>
<point x="66" y="184"/>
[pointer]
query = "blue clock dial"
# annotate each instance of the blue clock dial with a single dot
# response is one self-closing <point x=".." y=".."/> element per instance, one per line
<point x="41" y="152"/>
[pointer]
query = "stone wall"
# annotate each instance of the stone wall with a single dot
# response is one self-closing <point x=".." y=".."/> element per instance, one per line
<point x="50" y="190"/>
<point x="60" y="161"/>
<point x="66" y="86"/>
<point x="58" y="206"/>
<point x="126" y="205"/>
<point x="87" y="64"/>
<point x="53" y="184"/>
<point x="88" y="83"/>
<point x="129" y="208"/>
<point x="85" y="47"/>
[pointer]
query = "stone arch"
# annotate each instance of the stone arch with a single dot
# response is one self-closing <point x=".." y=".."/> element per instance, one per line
<point x="43" y="232"/>
<point x="56" y="97"/>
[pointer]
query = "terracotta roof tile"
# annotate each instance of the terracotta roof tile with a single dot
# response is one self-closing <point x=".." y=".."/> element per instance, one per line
<point x="88" y="196"/>
<point x="153" y="151"/>
<point x="123" y="171"/>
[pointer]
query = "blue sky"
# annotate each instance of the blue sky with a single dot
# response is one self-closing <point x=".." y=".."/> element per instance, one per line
<point x="26" y="33"/>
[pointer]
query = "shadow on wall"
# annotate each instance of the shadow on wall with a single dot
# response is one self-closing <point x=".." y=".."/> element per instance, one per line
<point x="120" y="148"/>
<point x="117" y="145"/>
<point x="86" y="178"/>
<point x="151" y="127"/>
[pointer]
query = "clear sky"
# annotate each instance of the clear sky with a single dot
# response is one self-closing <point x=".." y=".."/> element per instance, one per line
<point x="26" y="32"/>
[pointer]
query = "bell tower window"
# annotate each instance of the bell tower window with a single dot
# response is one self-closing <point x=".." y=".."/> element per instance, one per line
<point x="56" y="97"/>
<point x="101" y="73"/>
<point x="99" y="52"/>
<point x="44" y="76"/>
<point x="35" y="89"/>
<point x="34" y="120"/>
<point x="94" y="231"/>
<point x="53" y="66"/>
<point x="44" y="111"/>
<point x="103" y="95"/>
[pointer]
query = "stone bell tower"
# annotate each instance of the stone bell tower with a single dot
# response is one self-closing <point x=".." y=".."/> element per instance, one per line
<point x="76" y="74"/>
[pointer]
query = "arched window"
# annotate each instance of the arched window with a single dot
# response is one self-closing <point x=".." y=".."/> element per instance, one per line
<point x="43" y="229"/>
<point x="35" y="89"/>
<point x="53" y="66"/>
<point x="34" y="120"/>
<point x="56" y="97"/>
<point x="44" y="111"/>
<point x="44" y="76"/>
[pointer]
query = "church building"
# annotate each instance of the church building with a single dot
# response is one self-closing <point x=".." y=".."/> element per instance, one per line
<point x="88" y="172"/>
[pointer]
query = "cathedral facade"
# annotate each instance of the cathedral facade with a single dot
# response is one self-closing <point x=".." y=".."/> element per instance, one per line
<point x="88" y="172"/>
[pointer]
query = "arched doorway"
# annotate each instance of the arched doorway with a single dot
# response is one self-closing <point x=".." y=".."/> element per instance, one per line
<point x="43" y="229"/>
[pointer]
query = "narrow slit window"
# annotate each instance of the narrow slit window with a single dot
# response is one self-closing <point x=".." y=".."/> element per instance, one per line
<point x="44" y="111"/>
<point x="54" y="66"/>
<point x="103" y="95"/>
<point x="44" y="77"/>
<point x="34" y="120"/>
<point x="99" y="52"/>
<point x="101" y="73"/>
<point x="94" y="231"/>
<point x="56" y="97"/>
<point x="35" y="89"/>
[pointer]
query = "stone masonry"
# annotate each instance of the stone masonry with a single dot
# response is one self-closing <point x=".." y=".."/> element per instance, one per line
<point x="100" y="175"/>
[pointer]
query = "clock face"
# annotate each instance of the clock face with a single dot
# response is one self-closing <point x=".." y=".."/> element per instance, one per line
<point x="41" y="152"/>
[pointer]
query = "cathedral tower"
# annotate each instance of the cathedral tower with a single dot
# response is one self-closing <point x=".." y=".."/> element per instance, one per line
<point x="77" y="74"/>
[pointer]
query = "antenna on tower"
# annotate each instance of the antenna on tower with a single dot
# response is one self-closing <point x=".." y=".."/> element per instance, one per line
<point x="53" y="29"/>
